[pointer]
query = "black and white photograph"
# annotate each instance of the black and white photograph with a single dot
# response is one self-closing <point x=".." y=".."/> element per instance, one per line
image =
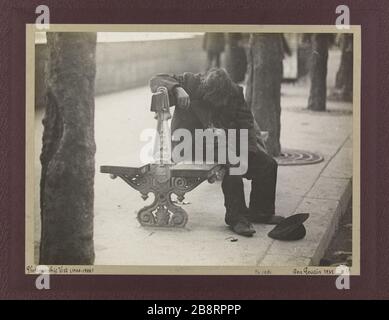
<point x="193" y="149"/>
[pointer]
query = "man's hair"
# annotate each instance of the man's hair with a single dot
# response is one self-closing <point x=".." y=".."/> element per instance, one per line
<point x="218" y="84"/>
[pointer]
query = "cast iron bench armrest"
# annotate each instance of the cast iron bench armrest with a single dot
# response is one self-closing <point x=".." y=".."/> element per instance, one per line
<point x="117" y="170"/>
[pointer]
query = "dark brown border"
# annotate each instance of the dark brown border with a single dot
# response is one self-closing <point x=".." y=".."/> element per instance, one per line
<point x="371" y="15"/>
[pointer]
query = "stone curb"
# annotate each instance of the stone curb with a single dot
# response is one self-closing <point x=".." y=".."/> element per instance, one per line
<point x="326" y="202"/>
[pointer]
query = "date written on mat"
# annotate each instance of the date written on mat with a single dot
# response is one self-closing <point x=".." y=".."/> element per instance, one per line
<point x="200" y="309"/>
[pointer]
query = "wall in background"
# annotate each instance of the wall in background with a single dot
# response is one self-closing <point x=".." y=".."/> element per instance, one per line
<point x="126" y="65"/>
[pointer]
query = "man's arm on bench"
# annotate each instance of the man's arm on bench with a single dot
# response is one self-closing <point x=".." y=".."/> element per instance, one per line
<point x="170" y="82"/>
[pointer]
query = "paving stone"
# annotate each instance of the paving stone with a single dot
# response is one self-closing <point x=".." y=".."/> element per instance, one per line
<point x="329" y="188"/>
<point x="299" y="248"/>
<point x="341" y="166"/>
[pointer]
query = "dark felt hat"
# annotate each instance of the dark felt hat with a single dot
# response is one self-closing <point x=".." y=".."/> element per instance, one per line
<point x="290" y="229"/>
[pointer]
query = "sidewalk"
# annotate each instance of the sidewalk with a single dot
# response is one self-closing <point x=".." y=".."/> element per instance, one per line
<point x="322" y="189"/>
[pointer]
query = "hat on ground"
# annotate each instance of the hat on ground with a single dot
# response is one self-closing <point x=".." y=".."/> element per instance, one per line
<point x="290" y="229"/>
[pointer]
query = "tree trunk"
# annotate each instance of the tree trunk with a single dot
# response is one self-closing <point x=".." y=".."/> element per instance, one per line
<point x="263" y="93"/>
<point x="68" y="151"/>
<point x="344" y="76"/>
<point x="318" y="72"/>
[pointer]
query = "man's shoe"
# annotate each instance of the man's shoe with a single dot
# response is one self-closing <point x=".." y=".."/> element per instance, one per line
<point x="268" y="219"/>
<point x="243" y="228"/>
<point x="240" y="225"/>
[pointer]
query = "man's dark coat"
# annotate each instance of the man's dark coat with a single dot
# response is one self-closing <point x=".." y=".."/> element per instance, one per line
<point x="201" y="114"/>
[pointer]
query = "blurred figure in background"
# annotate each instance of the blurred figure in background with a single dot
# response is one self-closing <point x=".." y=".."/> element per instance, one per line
<point x="213" y="44"/>
<point x="236" y="59"/>
<point x="344" y="76"/>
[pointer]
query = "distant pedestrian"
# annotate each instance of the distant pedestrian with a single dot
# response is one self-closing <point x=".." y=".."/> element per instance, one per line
<point x="213" y="44"/>
<point x="236" y="60"/>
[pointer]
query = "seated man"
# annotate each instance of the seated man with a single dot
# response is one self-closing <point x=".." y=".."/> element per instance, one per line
<point x="216" y="92"/>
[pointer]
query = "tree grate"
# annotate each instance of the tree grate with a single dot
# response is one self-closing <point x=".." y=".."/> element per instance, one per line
<point x="290" y="157"/>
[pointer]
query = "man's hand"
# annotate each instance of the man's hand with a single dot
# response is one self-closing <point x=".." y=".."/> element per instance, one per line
<point x="182" y="98"/>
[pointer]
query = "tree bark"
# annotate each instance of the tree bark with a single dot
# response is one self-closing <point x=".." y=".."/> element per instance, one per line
<point x="318" y="72"/>
<point x="68" y="151"/>
<point x="344" y="76"/>
<point x="263" y="93"/>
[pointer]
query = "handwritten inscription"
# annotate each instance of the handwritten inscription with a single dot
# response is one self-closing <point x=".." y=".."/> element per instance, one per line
<point x="31" y="269"/>
<point x="306" y="271"/>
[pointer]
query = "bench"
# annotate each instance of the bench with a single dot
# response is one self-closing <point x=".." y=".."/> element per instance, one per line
<point x="163" y="178"/>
